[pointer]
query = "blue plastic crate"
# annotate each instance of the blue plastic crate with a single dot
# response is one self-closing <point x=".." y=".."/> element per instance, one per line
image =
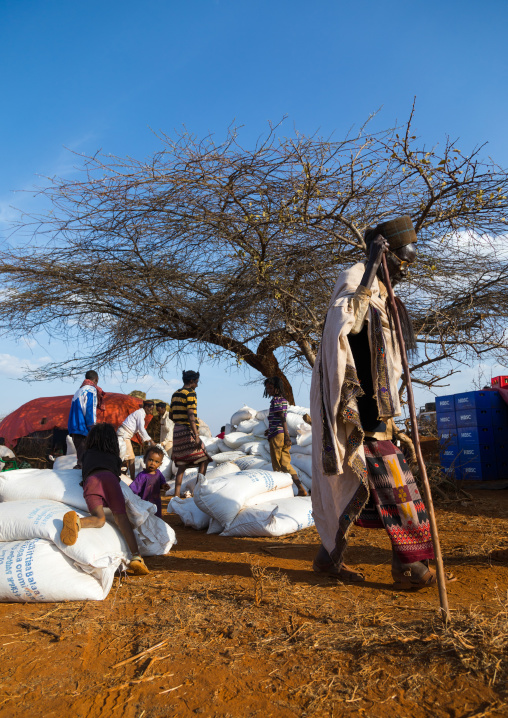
<point x="478" y="400"/>
<point x="474" y="417"/>
<point x="446" y="420"/>
<point x="448" y="437"/>
<point x="500" y="415"/>
<point x="445" y="403"/>
<point x="502" y="468"/>
<point x="476" y="434"/>
<point x="478" y="471"/>
<point x="448" y="456"/>
<point x="485" y="453"/>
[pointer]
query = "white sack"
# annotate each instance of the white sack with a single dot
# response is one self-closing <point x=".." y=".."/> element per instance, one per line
<point x="250" y="462"/>
<point x="188" y="482"/>
<point x="263" y="416"/>
<point x="304" y="478"/>
<point x="6" y="453"/>
<point x="224" y="497"/>
<point x="303" y="462"/>
<point x="211" y="445"/>
<point x="204" y="429"/>
<point x="299" y="449"/>
<point x="64" y="463"/>
<point x="293" y="421"/>
<point x="60" y="486"/>
<point x="273" y="519"/>
<point x="190" y="514"/>
<point x="301" y="410"/>
<point x="71" y="449"/>
<point x="273" y="496"/>
<point x="257" y="448"/>
<point x="97" y="551"/>
<point x="228" y="456"/>
<point x="304" y="438"/>
<point x="36" y="570"/>
<point x="215" y="527"/>
<point x="243" y="414"/>
<point x="247" y="426"/>
<point x="223" y="469"/>
<point x="154" y="536"/>
<point x="236" y="439"/>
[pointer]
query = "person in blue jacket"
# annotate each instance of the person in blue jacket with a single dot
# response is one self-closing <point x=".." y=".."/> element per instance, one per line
<point x="83" y="414"/>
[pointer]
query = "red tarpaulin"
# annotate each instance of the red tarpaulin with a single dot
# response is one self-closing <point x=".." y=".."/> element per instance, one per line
<point x="55" y="409"/>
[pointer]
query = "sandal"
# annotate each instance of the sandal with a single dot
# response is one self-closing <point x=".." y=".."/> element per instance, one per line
<point x="71" y="527"/>
<point x="344" y="573"/>
<point x="405" y="581"/>
<point x="138" y="567"/>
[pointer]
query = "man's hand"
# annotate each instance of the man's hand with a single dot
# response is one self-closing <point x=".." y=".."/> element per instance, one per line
<point x="378" y="247"/>
<point x="287" y="440"/>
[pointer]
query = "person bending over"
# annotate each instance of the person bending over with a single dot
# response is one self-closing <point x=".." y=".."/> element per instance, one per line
<point x="188" y="449"/>
<point x="358" y="474"/>
<point x="149" y="482"/>
<point x="101" y="488"/>
<point x="134" y="424"/>
<point x="278" y="433"/>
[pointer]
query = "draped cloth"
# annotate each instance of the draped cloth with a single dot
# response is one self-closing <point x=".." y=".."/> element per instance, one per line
<point x="340" y="484"/>
<point x="395" y="503"/>
<point x="100" y="394"/>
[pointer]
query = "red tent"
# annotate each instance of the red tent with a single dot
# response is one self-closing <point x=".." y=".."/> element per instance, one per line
<point x="55" y="411"/>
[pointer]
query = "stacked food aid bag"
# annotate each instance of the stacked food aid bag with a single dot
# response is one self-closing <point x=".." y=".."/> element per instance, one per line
<point x="241" y="495"/>
<point x="34" y="563"/>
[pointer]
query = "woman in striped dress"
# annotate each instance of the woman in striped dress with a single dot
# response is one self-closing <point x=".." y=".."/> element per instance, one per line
<point x="188" y="449"/>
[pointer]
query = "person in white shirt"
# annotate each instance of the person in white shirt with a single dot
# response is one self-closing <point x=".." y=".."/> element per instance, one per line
<point x="133" y="424"/>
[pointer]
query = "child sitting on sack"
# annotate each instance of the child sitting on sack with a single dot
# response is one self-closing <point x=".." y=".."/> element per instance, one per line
<point x="149" y="482"/>
<point x="101" y="487"/>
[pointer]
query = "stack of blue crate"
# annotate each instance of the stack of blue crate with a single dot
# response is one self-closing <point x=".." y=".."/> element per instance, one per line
<point x="473" y="433"/>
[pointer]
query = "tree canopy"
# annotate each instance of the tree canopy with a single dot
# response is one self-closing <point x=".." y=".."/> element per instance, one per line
<point x="232" y="252"/>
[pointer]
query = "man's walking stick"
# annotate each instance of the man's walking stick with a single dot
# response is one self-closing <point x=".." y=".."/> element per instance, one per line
<point x="441" y="580"/>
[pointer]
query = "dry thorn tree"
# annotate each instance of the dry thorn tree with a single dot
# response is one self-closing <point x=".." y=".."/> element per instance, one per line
<point x="232" y="252"/>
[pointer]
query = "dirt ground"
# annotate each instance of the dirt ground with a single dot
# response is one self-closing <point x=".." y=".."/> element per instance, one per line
<point x="242" y="627"/>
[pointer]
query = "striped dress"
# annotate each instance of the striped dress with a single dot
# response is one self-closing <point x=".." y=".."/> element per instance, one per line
<point x="186" y="450"/>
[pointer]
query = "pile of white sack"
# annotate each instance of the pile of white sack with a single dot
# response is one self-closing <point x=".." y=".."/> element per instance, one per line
<point x="36" y="566"/>
<point x="241" y="495"/>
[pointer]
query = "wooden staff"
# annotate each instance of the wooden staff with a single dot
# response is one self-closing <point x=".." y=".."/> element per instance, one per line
<point x="441" y="579"/>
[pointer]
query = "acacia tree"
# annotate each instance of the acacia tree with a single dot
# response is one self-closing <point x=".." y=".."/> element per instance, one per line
<point x="233" y="252"/>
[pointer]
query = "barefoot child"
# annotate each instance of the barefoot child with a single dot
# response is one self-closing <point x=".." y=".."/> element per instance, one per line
<point x="277" y="432"/>
<point x="149" y="482"/>
<point x="101" y="487"/>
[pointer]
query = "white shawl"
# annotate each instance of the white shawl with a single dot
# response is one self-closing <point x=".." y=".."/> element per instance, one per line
<point x="339" y="479"/>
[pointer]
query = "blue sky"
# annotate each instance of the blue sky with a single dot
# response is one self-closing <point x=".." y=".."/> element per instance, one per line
<point x="103" y="75"/>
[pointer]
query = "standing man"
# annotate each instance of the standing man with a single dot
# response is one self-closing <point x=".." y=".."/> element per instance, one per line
<point x="134" y="424"/>
<point x="167" y="426"/>
<point x="358" y="474"/>
<point x="83" y="414"/>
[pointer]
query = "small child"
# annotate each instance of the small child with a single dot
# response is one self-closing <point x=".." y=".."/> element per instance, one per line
<point x="101" y="487"/>
<point x="149" y="482"/>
